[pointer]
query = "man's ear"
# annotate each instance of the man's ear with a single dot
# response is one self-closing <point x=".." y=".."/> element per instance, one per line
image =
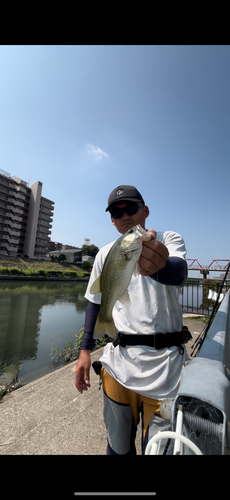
<point x="146" y="210"/>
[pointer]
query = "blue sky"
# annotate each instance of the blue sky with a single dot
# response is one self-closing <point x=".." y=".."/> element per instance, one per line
<point x="85" y="119"/>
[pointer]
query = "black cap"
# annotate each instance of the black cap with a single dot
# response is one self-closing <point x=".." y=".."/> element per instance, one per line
<point x="126" y="193"/>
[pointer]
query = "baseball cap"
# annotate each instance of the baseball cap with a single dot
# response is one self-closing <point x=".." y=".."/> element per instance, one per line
<point x="126" y="193"/>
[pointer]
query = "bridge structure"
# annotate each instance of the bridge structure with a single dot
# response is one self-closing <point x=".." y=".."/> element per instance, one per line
<point x="194" y="265"/>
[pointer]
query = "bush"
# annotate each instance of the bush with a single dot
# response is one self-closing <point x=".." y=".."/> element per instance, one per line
<point x="86" y="265"/>
<point x="61" y="257"/>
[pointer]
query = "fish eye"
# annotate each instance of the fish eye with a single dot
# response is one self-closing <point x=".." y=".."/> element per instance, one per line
<point x="130" y="231"/>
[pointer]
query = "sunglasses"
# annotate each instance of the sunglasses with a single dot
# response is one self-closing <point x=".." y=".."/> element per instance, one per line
<point x="117" y="212"/>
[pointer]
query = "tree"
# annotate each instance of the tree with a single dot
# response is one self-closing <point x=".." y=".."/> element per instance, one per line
<point x="54" y="258"/>
<point x="61" y="257"/>
<point x="89" y="250"/>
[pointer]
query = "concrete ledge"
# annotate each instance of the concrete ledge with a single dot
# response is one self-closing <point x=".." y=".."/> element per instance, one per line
<point x="50" y="417"/>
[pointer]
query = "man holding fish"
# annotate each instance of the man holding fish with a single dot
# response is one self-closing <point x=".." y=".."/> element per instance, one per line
<point x="133" y="301"/>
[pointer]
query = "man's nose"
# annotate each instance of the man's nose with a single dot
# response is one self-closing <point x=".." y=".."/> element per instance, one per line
<point x="125" y="216"/>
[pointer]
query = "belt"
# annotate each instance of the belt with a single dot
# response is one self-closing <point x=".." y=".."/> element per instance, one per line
<point x="157" y="340"/>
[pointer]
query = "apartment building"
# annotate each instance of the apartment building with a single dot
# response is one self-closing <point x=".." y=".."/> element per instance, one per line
<point x="54" y="245"/>
<point x="25" y="218"/>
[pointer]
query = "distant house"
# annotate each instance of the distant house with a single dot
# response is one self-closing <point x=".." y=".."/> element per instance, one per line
<point x="88" y="258"/>
<point x="72" y="255"/>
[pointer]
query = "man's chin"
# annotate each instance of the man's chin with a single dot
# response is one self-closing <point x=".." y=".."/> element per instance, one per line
<point x="127" y="226"/>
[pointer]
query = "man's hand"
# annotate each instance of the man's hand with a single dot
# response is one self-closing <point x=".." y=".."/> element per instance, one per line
<point x="82" y="379"/>
<point x="154" y="255"/>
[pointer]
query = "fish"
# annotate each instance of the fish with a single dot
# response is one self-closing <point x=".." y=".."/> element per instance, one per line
<point x="120" y="263"/>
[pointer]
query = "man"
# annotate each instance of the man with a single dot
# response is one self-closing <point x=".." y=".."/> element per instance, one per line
<point x="136" y="377"/>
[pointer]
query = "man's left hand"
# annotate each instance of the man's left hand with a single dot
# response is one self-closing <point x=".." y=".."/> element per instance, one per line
<point x="154" y="255"/>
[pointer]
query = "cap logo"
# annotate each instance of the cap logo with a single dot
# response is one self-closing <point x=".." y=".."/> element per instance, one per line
<point x="120" y="191"/>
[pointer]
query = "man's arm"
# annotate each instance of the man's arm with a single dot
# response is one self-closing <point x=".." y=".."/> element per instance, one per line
<point x="82" y="377"/>
<point x="174" y="273"/>
<point x="92" y="311"/>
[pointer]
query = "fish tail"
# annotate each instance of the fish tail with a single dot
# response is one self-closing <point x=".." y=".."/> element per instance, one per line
<point x="104" y="328"/>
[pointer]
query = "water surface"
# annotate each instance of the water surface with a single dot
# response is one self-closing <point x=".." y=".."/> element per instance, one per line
<point x="34" y="315"/>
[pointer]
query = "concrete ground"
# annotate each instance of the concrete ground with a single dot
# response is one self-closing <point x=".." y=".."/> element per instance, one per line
<point x="50" y="417"/>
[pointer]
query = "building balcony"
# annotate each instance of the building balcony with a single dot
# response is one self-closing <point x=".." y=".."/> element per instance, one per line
<point x="13" y="224"/>
<point x="21" y="189"/>
<point x="13" y="217"/>
<point x="43" y="237"/>
<point x="11" y="232"/>
<point x="11" y="240"/>
<point x="46" y="217"/>
<point x="10" y="248"/>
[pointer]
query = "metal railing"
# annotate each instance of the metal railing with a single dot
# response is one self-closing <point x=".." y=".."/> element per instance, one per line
<point x="193" y="297"/>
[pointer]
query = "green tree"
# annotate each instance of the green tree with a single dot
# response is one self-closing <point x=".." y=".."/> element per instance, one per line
<point x="54" y="258"/>
<point x="89" y="250"/>
<point x="61" y="257"/>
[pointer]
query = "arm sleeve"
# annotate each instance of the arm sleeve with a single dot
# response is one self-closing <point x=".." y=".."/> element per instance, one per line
<point x="92" y="311"/>
<point x="174" y="273"/>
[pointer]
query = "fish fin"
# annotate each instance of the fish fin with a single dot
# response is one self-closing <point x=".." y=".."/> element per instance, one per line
<point x="136" y="270"/>
<point x="124" y="299"/>
<point x="96" y="286"/>
<point x="104" y="327"/>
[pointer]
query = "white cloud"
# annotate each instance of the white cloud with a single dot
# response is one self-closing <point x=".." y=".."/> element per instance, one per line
<point x="97" y="152"/>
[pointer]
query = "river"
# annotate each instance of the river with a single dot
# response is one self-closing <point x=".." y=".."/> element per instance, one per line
<point x="33" y="316"/>
<point x="36" y="314"/>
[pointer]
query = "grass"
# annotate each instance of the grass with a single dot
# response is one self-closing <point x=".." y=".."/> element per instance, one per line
<point x="71" y="349"/>
<point x="6" y="388"/>
<point x="198" y="318"/>
<point x="23" y="266"/>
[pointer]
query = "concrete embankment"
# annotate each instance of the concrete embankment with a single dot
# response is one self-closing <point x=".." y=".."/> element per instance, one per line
<point x="50" y="417"/>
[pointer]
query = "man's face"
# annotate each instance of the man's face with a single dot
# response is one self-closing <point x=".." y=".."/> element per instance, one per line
<point x="125" y="222"/>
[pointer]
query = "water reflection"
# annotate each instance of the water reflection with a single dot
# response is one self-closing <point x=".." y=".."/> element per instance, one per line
<point x="32" y="315"/>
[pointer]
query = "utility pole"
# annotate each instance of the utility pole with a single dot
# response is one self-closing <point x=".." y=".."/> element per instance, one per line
<point x="205" y="272"/>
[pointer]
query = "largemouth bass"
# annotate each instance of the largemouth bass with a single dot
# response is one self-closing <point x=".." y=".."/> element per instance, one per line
<point x="115" y="277"/>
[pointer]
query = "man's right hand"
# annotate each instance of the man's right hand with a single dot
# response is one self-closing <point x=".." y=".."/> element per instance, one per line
<point x="82" y="379"/>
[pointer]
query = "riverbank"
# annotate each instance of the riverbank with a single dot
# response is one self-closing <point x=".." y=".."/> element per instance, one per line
<point x="23" y="268"/>
<point x="42" y="278"/>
